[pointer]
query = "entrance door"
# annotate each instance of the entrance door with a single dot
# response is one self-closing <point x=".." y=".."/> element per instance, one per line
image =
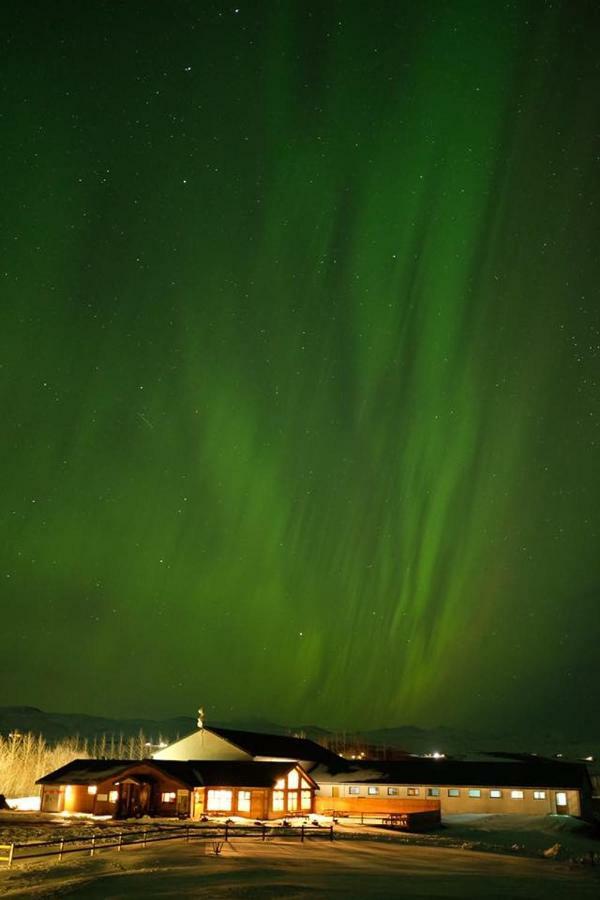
<point x="335" y="791"/>
<point x="53" y="799"/>
<point x="134" y="800"/>
<point x="183" y="804"/>
<point x="198" y="803"/>
<point x="562" y="803"/>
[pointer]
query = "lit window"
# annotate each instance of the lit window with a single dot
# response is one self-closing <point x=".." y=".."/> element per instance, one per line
<point x="278" y="801"/>
<point x="92" y="789"/>
<point x="244" y="798"/>
<point x="293" y="779"/>
<point x="495" y="794"/>
<point x="113" y="796"/>
<point x="453" y="792"/>
<point x="433" y="792"/>
<point x="219" y="800"/>
<point x="474" y="792"/>
<point x="292" y="801"/>
<point x="412" y="792"/>
<point x="354" y="790"/>
<point x="516" y="795"/>
<point x="306" y="784"/>
<point x="372" y="791"/>
<point x="393" y="792"/>
<point x="168" y="797"/>
<point x="539" y="795"/>
<point x="306" y="800"/>
<point x="280" y="784"/>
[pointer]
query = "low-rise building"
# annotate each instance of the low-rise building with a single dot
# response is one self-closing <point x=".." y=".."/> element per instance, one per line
<point x="524" y="787"/>
<point x="190" y="789"/>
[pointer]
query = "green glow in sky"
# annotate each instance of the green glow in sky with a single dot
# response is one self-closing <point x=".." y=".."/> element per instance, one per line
<point x="299" y="360"/>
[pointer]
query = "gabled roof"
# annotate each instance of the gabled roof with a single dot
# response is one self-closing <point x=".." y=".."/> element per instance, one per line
<point x="191" y="773"/>
<point x="275" y="745"/>
<point x="540" y="773"/>
<point x="86" y="771"/>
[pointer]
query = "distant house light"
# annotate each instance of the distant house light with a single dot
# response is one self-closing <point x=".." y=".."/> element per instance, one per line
<point x="92" y="789"/>
<point x="517" y="795"/>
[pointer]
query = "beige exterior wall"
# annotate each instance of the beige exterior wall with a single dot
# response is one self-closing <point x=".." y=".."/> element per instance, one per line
<point x="485" y="803"/>
<point x="202" y="744"/>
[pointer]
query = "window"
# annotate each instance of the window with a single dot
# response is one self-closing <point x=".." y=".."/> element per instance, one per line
<point x="169" y="797"/>
<point x="412" y="792"/>
<point x="539" y="795"/>
<point x="433" y="792"/>
<point x="280" y="784"/>
<point x="113" y="796"/>
<point x="354" y="790"/>
<point x="372" y="791"/>
<point x="516" y="795"/>
<point x="453" y="792"/>
<point x="392" y="792"/>
<point x="474" y="792"/>
<point x="92" y="789"/>
<point x="293" y="779"/>
<point x="219" y="800"/>
<point x="243" y="801"/>
<point x="292" y="801"/>
<point x="278" y="801"/>
<point x="495" y="794"/>
<point x="306" y="800"/>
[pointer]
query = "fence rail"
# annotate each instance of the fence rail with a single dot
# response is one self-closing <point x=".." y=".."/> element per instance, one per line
<point x="92" y="844"/>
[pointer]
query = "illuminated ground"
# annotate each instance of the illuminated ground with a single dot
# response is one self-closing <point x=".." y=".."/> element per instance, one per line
<point x="251" y="869"/>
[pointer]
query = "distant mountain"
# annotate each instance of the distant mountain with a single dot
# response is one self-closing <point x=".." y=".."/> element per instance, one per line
<point x="54" y="726"/>
<point x="452" y="742"/>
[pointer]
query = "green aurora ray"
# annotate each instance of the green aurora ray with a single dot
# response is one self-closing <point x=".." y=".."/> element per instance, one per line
<point x="300" y="356"/>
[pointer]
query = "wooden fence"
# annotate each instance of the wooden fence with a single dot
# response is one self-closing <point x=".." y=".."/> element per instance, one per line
<point x="92" y="844"/>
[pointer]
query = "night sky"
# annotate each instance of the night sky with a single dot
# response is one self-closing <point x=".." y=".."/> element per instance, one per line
<point x="300" y="360"/>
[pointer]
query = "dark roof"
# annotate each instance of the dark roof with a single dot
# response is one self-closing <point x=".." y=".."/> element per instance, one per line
<point x="257" y="744"/>
<point x="193" y="773"/>
<point x="419" y="770"/>
<point x="86" y="771"/>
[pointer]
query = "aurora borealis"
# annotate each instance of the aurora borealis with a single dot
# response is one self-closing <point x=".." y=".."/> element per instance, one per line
<point x="300" y="358"/>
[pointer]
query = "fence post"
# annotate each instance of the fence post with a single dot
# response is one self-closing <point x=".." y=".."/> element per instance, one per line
<point x="331" y="833"/>
<point x="302" y="833"/>
<point x="144" y="838"/>
<point x="120" y="843"/>
<point x="93" y="844"/>
<point x="60" y="852"/>
<point x="11" y="853"/>
<point x="226" y="830"/>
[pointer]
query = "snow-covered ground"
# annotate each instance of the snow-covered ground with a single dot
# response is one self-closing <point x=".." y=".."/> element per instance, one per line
<point x="471" y="857"/>
<point x="350" y="869"/>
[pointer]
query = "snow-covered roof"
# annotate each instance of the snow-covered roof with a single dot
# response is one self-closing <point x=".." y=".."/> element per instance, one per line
<point x="422" y="771"/>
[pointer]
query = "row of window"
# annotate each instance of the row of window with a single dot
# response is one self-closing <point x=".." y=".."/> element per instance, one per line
<point x="494" y="793"/>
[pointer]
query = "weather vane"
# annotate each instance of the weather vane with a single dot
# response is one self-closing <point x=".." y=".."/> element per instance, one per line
<point x="200" y="718"/>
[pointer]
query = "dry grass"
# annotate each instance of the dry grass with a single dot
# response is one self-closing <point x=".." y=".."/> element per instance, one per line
<point x="26" y="757"/>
